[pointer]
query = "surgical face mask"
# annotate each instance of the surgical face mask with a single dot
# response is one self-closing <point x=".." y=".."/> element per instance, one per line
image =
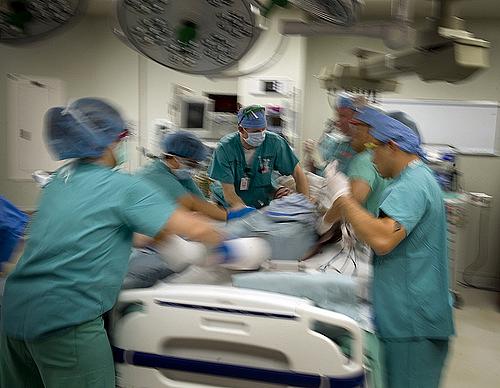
<point x="120" y="153"/>
<point x="255" y="139"/>
<point x="183" y="173"/>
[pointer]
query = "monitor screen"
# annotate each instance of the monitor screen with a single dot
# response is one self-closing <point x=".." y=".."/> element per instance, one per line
<point x="195" y="115"/>
<point x="224" y="103"/>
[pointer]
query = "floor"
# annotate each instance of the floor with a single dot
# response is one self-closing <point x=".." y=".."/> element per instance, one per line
<point x="475" y="354"/>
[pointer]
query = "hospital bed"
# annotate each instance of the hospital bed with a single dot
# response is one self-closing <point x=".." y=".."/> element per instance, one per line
<point x="183" y="334"/>
<point x="198" y="336"/>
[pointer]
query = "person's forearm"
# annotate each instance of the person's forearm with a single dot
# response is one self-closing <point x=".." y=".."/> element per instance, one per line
<point x="232" y="198"/>
<point x="360" y="191"/>
<point x="332" y="215"/>
<point x="308" y="163"/>
<point x="301" y="183"/>
<point x="191" y="227"/>
<point x="141" y="240"/>
<point x="373" y="231"/>
<point x="209" y="209"/>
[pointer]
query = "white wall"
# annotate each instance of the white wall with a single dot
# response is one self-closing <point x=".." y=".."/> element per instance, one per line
<point x="291" y="65"/>
<point x="157" y="85"/>
<point x="479" y="173"/>
<point x="89" y="60"/>
<point x="93" y="62"/>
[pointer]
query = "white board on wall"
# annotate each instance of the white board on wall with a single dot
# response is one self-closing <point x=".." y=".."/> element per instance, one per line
<point x="473" y="127"/>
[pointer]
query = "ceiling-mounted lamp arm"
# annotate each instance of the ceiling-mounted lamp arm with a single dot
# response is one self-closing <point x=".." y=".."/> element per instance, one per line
<point x="271" y="5"/>
<point x="447" y="14"/>
<point x="402" y="10"/>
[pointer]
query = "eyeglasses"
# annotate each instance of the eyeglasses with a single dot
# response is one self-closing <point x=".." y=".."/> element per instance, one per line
<point x="188" y="162"/>
<point x="372" y="146"/>
<point x="124" y="134"/>
<point x="251" y="110"/>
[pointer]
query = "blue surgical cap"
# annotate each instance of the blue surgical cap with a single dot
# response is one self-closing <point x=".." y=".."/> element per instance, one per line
<point x="406" y="120"/>
<point x="84" y="129"/>
<point x="345" y="101"/>
<point x="385" y="128"/>
<point x="186" y="145"/>
<point x="252" y="120"/>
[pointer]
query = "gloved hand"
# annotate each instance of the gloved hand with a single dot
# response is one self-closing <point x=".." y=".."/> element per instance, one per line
<point x="234" y="214"/>
<point x="309" y="146"/>
<point x="337" y="184"/>
<point x="311" y="151"/>
<point x="243" y="254"/>
<point x="225" y="253"/>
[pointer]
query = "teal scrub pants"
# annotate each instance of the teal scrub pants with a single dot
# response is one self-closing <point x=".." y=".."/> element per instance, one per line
<point x="78" y="358"/>
<point x="414" y="363"/>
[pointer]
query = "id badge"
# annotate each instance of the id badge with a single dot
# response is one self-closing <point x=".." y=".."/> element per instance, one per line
<point x="244" y="183"/>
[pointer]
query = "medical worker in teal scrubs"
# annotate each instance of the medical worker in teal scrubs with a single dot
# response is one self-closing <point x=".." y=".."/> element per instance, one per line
<point x="77" y="253"/>
<point x="412" y="304"/>
<point x="172" y="173"/>
<point x="335" y="143"/>
<point x="244" y="162"/>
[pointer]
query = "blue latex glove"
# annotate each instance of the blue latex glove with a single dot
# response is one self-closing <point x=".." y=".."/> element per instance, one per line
<point x="234" y="214"/>
<point x="225" y="253"/>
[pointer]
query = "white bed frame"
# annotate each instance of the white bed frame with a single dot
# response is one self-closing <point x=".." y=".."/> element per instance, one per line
<point x="197" y="336"/>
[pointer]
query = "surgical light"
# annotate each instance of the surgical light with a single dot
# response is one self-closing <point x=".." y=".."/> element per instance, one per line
<point x="209" y="37"/>
<point x="24" y="21"/>
<point x="192" y="36"/>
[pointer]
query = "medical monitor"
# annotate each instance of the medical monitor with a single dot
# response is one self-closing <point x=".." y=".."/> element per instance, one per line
<point x="193" y="113"/>
<point x="224" y="103"/>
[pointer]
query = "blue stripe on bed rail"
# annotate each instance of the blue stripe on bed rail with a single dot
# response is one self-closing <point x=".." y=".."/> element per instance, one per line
<point x="225" y="310"/>
<point x="290" y="378"/>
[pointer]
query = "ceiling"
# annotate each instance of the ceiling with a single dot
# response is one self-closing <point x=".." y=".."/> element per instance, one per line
<point x="373" y="9"/>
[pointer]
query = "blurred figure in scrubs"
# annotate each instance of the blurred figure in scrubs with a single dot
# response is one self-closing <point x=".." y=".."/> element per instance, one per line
<point x="367" y="185"/>
<point x="77" y="253"/>
<point x="172" y="174"/>
<point x="412" y="305"/>
<point x="402" y="117"/>
<point x="12" y="224"/>
<point x="335" y="142"/>
<point x="244" y="163"/>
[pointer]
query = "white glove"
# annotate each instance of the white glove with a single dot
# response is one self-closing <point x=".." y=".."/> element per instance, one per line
<point x="322" y="226"/>
<point x="309" y="146"/>
<point x="180" y="254"/>
<point x="311" y="149"/>
<point x="337" y="184"/>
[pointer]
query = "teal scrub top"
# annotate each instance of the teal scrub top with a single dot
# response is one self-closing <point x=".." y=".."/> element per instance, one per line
<point x="78" y="249"/>
<point x="410" y="284"/>
<point x="229" y="166"/>
<point x="361" y="168"/>
<point x="332" y="149"/>
<point x="161" y="177"/>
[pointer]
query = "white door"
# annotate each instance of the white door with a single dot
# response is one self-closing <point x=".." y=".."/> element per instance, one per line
<point x="28" y="99"/>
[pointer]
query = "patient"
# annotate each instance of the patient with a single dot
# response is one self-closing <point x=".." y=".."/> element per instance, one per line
<point x="257" y="237"/>
<point x="183" y="153"/>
